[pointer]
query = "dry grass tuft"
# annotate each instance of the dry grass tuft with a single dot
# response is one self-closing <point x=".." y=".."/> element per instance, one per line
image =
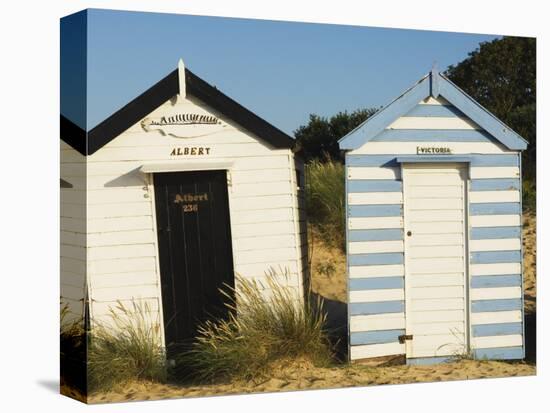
<point x="257" y="333"/>
<point x="129" y="349"/>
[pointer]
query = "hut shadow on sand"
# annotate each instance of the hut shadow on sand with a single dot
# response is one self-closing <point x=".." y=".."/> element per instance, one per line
<point x="336" y="324"/>
<point x="531" y="337"/>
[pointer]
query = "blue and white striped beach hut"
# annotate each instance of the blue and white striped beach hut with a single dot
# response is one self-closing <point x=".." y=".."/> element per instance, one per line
<point x="434" y="249"/>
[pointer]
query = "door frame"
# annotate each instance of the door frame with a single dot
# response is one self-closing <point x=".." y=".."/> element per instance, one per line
<point x="467" y="278"/>
<point x="149" y="171"/>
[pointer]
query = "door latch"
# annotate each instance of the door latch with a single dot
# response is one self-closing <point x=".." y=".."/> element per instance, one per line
<point x="403" y="337"/>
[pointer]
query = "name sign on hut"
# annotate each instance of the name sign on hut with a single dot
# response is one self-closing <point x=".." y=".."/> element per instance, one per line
<point x="433" y="150"/>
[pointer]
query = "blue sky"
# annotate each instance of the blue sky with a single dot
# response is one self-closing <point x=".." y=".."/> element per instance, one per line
<point x="281" y="71"/>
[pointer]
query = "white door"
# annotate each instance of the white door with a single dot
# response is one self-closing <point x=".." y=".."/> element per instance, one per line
<point x="435" y="259"/>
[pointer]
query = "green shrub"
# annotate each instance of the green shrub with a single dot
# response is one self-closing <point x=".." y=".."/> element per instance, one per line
<point x="129" y="348"/>
<point x="258" y="332"/>
<point x="529" y="194"/>
<point x="325" y="200"/>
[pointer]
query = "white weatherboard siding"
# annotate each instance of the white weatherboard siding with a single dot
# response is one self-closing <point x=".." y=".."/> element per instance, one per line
<point x="442" y="338"/>
<point x="390" y="321"/>
<point x="376" y="350"/>
<point x="366" y="296"/>
<point x="498" y="341"/>
<point x="494" y="196"/>
<point x="465" y="242"/>
<point x="375" y="198"/>
<point x="73" y="233"/>
<point x="433" y="123"/>
<point x="497" y="317"/>
<point x="374" y="173"/>
<point x="372" y="271"/>
<point x="508" y="268"/>
<point x="375" y="246"/>
<point x="500" y="293"/>
<point x="485" y="221"/>
<point x="487" y="172"/>
<point x="267" y="221"/>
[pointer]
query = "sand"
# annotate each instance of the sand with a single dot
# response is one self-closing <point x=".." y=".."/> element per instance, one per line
<point x="328" y="269"/>
<point x="529" y="262"/>
<point x="302" y="376"/>
<point x="328" y="280"/>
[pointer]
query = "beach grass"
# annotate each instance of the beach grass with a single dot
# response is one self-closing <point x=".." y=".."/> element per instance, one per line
<point x="325" y="200"/>
<point x="257" y="333"/>
<point x="127" y="348"/>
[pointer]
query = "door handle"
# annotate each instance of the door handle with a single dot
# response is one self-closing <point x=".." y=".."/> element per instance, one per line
<point x="409" y="233"/>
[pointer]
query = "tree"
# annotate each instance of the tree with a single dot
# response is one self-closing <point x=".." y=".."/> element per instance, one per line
<point x="501" y="75"/>
<point x="319" y="138"/>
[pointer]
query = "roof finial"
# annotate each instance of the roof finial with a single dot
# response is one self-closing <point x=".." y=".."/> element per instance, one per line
<point x="181" y="78"/>
<point x="434" y="80"/>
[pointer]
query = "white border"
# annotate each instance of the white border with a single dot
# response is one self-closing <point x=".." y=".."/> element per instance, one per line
<point x="30" y="365"/>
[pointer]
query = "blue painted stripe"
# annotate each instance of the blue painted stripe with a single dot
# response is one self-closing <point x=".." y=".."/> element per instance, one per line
<point x="432" y="159"/>
<point x="375" y="235"/>
<point x="375" y="337"/>
<point x="496" y="184"/>
<point x="385" y="258"/>
<point x="490" y="281"/>
<point x="378" y="122"/>
<point x="481" y="306"/>
<point x="376" y="283"/>
<point x="426" y="361"/>
<point x="502" y="329"/>
<point x="374" y="185"/>
<point x="371" y="160"/>
<point x="495" y="233"/>
<point x="495" y="160"/>
<point x="378" y="307"/>
<point x="433" y="135"/>
<point x="435" y="111"/>
<point x="495" y="257"/>
<point x="395" y="210"/>
<point x="501" y="353"/>
<point x="495" y="208"/>
<point x="475" y="160"/>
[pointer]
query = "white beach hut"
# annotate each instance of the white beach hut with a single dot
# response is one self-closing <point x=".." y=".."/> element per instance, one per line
<point x="171" y="197"/>
<point x="434" y="248"/>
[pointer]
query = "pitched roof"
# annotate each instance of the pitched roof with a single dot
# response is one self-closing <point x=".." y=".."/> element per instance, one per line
<point x="433" y="84"/>
<point x="89" y="142"/>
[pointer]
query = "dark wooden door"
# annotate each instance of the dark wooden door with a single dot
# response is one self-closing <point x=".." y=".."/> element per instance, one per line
<point x="194" y="236"/>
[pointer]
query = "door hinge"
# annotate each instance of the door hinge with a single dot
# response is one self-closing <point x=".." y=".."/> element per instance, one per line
<point x="403" y="337"/>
